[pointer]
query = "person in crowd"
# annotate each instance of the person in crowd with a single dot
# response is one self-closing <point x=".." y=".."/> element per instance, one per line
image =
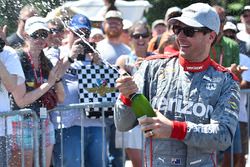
<point x="140" y="36"/>
<point x="226" y="53"/>
<point x="196" y="100"/>
<point x="96" y="35"/>
<point x="244" y="34"/>
<point x="244" y="42"/>
<point x="230" y="30"/>
<point x="158" y="27"/>
<point x="54" y="40"/>
<point x="125" y="37"/>
<point x="158" y="43"/>
<point x="243" y="115"/>
<point x="74" y="56"/>
<point x="16" y="39"/>
<point x="11" y="75"/>
<point x="110" y="49"/>
<point x="42" y="88"/>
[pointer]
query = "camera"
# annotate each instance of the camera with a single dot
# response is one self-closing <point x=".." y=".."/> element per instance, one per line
<point x="87" y="50"/>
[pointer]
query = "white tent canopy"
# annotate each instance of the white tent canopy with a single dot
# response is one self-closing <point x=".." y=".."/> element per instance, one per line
<point x="95" y="9"/>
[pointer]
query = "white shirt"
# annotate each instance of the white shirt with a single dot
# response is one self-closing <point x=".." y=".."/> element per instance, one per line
<point x="11" y="61"/>
<point x="244" y="61"/>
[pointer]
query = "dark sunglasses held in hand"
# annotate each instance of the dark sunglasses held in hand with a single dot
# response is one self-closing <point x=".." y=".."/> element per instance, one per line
<point x="41" y="35"/>
<point x="189" y="31"/>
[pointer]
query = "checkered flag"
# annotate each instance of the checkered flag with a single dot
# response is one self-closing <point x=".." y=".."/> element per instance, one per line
<point x="97" y="84"/>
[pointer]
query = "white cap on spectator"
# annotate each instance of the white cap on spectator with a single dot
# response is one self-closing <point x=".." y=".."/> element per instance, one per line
<point x="35" y="23"/>
<point x="171" y="11"/>
<point x="199" y="15"/>
<point x="126" y="24"/>
<point x="113" y="14"/>
<point x="246" y="8"/>
<point x="95" y="31"/>
<point x="230" y="26"/>
<point x="158" y="22"/>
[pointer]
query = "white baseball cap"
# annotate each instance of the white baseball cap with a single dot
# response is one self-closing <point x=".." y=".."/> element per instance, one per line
<point x="199" y="15"/>
<point x="35" y="23"/>
<point x="96" y="31"/>
<point x="113" y="14"/>
<point x="245" y="9"/>
<point x="126" y="24"/>
<point x="171" y="11"/>
<point x="230" y="26"/>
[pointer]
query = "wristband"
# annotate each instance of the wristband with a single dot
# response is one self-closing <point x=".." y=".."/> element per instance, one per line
<point x="125" y="100"/>
<point x="179" y="130"/>
<point x="70" y="60"/>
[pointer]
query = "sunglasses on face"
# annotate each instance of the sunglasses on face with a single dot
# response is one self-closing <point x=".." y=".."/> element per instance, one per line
<point x="41" y="35"/>
<point x="55" y="30"/>
<point x="137" y="36"/>
<point x="188" y="31"/>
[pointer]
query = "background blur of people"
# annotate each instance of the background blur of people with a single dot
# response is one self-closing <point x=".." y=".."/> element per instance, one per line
<point x="226" y="53"/>
<point x="159" y="42"/>
<point x="158" y="27"/>
<point x="140" y="36"/>
<point x="125" y="37"/>
<point x="16" y="40"/>
<point x="96" y="35"/>
<point x="110" y="49"/>
<point x="230" y="30"/>
<point x="244" y="34"/>
<point x="74" y="56"/>
<point x="11" y="75"/>
<point x="42" y="88"/>
<point x="55" y="38"/>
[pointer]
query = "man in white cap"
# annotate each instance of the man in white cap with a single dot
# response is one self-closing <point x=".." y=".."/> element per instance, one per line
<point x="110" y="49"/>
<point x="230" y="30"/>
<point x="196" y="101"/>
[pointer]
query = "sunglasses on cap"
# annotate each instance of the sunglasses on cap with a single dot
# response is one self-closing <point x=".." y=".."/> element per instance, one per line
<point x="55" y="30"/>
<point x="189" y="31"/>
<point x="41" y="35"/>
<point x="137" y="36"/>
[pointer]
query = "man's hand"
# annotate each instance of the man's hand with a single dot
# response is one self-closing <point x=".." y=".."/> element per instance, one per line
<point x="126" y="85"/>
<point x="156" y="127"/>
<point x="76" y="49"/>
<point x="237" y="70"/>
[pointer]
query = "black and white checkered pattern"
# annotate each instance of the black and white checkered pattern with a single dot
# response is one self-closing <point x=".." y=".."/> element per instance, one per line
<point x="88" y="77"/>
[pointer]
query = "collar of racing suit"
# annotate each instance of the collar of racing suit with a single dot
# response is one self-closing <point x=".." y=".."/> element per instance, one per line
<point x="195" y="66"/>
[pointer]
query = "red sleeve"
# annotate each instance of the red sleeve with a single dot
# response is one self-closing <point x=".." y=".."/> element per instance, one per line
<point x="125" y="100"/>
<point x="179" y="130"/>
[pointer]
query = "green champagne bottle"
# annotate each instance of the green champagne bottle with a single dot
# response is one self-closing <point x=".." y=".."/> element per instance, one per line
<point x="141" y="106"/>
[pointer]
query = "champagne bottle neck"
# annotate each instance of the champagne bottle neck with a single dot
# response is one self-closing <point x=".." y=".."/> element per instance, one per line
<point x="132" y="96"/>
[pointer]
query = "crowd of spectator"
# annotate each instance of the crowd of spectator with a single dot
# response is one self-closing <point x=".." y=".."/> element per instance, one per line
<point x="39" y="64"/>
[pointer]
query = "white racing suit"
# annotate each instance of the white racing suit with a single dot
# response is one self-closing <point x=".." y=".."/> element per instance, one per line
<point x="208" y="101"/>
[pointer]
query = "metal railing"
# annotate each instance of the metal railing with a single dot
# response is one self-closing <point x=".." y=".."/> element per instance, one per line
<point x="7" y="114"/>
<point x="61" y="108"/>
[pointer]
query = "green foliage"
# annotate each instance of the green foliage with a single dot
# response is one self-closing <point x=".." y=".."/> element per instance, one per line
<point x="9" y="10"/>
